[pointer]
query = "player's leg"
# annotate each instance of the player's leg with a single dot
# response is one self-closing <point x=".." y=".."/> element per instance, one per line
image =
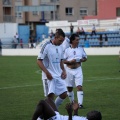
<point x="80" y="95"/>
<point x="43" y="108"/>
<point x="51" y="89"/>
<point x="51" y="103"/>
<point x="70" y="93"/>
<point x="60" y="91"/>
<point x="70" y="83"/>
<point x="79" y="82"/>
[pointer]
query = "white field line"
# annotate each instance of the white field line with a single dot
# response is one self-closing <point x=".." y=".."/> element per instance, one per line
<point x="100" y="79"/>
<point x="19" y="86"/>
<point x="93" y="79"/>
<point x="38" y="71"/>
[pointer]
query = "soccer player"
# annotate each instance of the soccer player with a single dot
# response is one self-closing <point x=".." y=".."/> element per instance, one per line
<point x="54" y="69"/>
<point x="48" y="110"/>
<point x="73" y="57"/>
<point x="64" y="45"/>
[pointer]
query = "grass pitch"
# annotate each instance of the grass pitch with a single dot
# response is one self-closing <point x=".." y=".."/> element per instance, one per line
<point x="21" y="87"/>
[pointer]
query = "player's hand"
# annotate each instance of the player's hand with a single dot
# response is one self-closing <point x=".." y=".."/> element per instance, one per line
<point x="63" y="75"/>
<point x="75" y="105"/>
<point x="49" y="76"/>
<point x="73" y="61"/>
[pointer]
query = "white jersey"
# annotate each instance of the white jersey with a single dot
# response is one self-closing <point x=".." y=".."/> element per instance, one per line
<point x="74" y="53"/>
<point x="65" y="117"/>
<point x="65" y="44"/>
<point x="54" y="54"/>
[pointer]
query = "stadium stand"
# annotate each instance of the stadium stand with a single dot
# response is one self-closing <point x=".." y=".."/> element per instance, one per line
<point x="93" y="41"/>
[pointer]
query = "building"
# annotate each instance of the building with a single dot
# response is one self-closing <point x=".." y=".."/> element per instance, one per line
<point x="63" y="10"/>
<point x="106" y="9"/>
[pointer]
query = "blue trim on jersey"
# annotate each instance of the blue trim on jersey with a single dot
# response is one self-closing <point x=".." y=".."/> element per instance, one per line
<point x="43" y="47"/>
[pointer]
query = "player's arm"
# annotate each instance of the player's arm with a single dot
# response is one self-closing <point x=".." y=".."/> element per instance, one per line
<point x="43" y="68"/>
<point x="69" y="110"/>
<point x="65" y="61"/>
<point x="63" y="75"/>
<point x="75" y="107"/>
<point x="83" y="59"/>
<point x="69" y="62"/>
<point x="84" y="56"/>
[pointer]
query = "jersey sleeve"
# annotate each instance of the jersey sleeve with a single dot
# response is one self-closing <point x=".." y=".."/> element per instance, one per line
<point x="43" y="52"/>
<point x="84" y="53"/>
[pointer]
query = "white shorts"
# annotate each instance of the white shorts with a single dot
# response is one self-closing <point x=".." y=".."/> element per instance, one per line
<point x="57" y="86"/>
<point x="45" y="86"/>
<point x="74" y="77"/>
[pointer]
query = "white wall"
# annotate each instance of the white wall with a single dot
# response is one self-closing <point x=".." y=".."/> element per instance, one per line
<point x="34" y="52"/>
<point x="103" y="25"/>
<point x="8" y="30"/>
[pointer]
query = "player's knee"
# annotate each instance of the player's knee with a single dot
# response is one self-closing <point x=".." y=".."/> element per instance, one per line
<point x="79" y="88"/>
<point x="63" y="95"/>
<point x="70" y="89"/>
<point x="41" y="102"/>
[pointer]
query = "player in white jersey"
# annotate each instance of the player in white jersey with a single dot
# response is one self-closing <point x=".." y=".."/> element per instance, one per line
<point x="48" y="110"/>
<point x="55" y="71"/>
<point x="64" y="45"/>
<point x="73" y="57"/>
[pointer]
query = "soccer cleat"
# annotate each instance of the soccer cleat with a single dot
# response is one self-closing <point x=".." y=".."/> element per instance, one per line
<point x="80" y="106"/>
<point x="40" y="117"/>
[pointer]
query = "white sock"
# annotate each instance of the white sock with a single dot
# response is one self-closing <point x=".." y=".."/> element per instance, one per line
<point x="80" y="97"/>
<point x="71" y="96"/>
<point x="58" y="101"/>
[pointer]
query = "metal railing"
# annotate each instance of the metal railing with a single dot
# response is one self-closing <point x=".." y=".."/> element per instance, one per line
<point x="9" y="18"/>
<point x="7" y="2"/>
<point x="14" y="46"/>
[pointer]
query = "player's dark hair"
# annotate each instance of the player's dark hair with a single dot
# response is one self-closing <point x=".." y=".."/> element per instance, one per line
<point x="59" y="32"/>
<point x="72" y="37"/>
<point x="59" y="29"/>
<point x="94" y="115"/>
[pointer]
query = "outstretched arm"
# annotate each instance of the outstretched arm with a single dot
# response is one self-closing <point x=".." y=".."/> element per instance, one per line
<point x="69" y="110"/>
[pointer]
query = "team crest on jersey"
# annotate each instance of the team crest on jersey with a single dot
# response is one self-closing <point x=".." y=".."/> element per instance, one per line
<point x="56" y="50"/>
<point x="74" y="52"/>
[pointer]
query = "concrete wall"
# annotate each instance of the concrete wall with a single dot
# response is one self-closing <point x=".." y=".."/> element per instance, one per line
<point x="34" y="52"/>
<point x="8" y="30"/>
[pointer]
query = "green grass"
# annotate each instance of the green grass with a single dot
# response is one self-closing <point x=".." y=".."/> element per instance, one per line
<point x="21" y="87"/>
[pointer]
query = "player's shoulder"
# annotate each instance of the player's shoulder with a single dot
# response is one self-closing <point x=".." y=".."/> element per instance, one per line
<point x="45" y="45"/>
<point x="67" y="39"/>
<point x="80" y="47"/>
